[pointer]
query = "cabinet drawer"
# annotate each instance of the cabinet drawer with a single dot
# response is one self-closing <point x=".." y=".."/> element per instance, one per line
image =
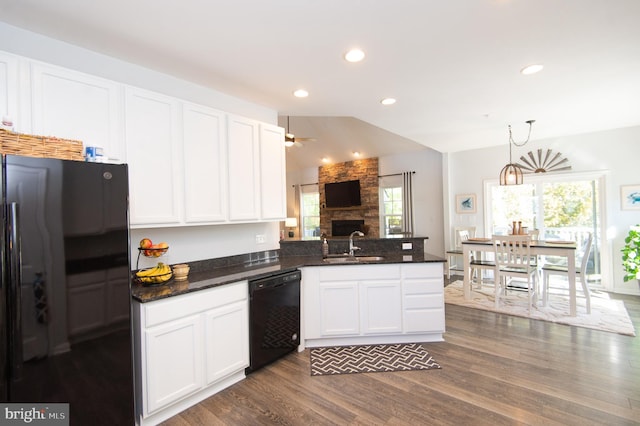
<point x="359" y="272"/>
<point x="415" y="301"/>
<point x="424" y="320"/>
<point x="180" y="306"/>
<point x="423" y="270"/>
<point x="423" y="286"/>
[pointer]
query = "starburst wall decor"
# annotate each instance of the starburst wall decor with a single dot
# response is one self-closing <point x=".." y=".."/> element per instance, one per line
<point x="542" y="162"/>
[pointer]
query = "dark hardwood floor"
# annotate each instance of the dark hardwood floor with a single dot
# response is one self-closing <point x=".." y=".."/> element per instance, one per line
<point x="496" y="370"/>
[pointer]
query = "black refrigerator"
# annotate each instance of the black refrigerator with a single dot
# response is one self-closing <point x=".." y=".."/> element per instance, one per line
<point x="65" y="307"/>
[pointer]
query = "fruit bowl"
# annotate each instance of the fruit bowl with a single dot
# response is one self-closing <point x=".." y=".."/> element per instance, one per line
<point x="153" y="251"/>
<point x="157" y="275"/>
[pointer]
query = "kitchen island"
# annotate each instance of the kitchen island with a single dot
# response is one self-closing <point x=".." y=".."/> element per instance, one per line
<point x="192" y="337"/>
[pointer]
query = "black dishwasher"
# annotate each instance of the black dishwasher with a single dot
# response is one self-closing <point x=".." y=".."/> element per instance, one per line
<point x="274" y="318"/>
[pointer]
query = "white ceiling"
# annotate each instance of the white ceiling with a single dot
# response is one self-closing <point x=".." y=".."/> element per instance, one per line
<point x="453" y="65"/>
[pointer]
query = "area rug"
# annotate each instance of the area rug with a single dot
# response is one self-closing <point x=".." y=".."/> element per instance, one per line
<point x="606" y="314"/>
<point x="370" y="359"/>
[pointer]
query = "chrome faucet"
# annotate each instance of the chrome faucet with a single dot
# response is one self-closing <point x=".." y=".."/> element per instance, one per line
<point x="352" y="248"/>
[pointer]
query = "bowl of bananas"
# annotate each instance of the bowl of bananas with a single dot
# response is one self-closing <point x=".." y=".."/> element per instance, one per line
<point x="159" y="274"/>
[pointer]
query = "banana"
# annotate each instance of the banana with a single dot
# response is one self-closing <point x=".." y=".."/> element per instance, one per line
<point x="158" y="274"/>
<point x="146" y="272"/>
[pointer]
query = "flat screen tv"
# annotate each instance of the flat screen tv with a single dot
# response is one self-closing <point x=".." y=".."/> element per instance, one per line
<point x="342" y="194"/>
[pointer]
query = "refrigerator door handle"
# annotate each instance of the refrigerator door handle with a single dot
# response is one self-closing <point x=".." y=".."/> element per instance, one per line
<point x="15" y="293"/>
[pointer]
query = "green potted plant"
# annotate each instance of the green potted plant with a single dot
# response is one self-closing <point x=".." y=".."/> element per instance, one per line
<point x="631" y="255"/>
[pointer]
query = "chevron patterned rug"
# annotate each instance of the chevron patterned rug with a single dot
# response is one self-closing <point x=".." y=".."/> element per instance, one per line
<point x="370" y="359"/>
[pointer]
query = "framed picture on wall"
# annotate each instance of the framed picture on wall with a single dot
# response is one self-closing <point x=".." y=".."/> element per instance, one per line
<point x="630" y="197"/>
<point x="466" y="203"/>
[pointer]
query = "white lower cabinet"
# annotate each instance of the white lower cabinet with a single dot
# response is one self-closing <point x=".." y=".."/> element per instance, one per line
<point x="381" y="307"/>
<point x="423" y="298"/>
<point x="189" y="347"/>
<point x="337" y="314"/>
<point x="225" y="352"/>
<point x="369" y="304"/>
<point x="174" y="361"/>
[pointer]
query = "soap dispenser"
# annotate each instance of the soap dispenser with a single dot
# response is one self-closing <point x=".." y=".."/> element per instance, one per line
<point x="325" y="248"/>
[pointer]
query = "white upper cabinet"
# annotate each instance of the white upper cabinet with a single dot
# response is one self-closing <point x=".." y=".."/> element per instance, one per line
<point x="8" y="86"/>
<point x="244" y="169"/>
<point x="72" y="105"/>
<point x="272" y="173"/>
<point x="188" y="164"/>
<point x="154" y="157"/>
<point x="205" y="164"/>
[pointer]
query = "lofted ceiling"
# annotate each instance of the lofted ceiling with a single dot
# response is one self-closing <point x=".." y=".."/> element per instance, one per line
<point x="453" y="66"/>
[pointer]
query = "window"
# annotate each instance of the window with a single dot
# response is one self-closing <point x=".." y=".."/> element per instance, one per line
<point x="565" y="207"/>
<point x="310" y="211"/>
<point x="391" y="217"/>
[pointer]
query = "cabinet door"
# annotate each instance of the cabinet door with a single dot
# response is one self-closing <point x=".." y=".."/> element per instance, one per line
<point x="339" y="313"/>
<point x="381" y="307"/>
<point x="8" y="87"/>
<point x="174" y="362"/>
<point x="205" y="163"/>
<point x="227" y="340"/>
<point x="153" y="155"/>
<point x="272" y="173"/>
<point x="72" y="105"/>
<point x="244" y="169"/>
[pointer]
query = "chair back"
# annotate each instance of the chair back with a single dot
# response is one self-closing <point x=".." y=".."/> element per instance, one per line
<point x="513" y="252"/>
<point x="585" y="256"/>
<point x="463" y="234"/>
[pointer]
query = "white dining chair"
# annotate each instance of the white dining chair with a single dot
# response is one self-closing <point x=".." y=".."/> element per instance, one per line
<point x="581" y="274"/>
<point x="478" y="264"/>
<point x="514" y="265"/>
<point x="460" y="234"/>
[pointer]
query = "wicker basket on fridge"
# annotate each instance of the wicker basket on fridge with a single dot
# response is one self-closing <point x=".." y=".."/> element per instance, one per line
<point x="40" y="146"/>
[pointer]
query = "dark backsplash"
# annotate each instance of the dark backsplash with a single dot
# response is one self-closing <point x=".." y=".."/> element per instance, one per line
<point x="368" y="246"/>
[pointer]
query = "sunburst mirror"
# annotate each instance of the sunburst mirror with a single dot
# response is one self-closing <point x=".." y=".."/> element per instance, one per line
<point x="542" y="162"/>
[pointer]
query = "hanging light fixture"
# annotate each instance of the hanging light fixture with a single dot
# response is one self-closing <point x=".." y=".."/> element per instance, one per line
<point x="289" y="138"/>
<point x="511" y="174"/>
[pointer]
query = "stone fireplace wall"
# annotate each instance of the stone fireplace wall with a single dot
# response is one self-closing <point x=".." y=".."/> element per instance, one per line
<point x="367" y="172"/>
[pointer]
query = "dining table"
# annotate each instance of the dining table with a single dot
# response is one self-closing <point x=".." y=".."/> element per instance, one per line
<point x="561" y="248"/>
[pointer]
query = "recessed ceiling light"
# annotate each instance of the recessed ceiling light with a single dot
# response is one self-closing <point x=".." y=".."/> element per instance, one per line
<point x="300" y="93"/>
<point x="325" y="160"/>
<point x="356" y="153"/>
<point x="388" y="101"/>
<point x="354" y="55"/>
<point x="531" y="69"/>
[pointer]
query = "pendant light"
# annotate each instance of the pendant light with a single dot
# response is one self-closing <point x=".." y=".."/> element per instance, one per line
<point x="512" y="174"/>
<point x="289" y="138"/>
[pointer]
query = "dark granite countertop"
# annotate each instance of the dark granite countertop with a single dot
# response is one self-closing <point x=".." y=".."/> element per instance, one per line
<point x="225" y="275"/>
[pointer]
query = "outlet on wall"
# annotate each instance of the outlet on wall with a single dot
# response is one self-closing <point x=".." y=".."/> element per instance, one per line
<point x="260" y="238"/>
<point x="407" y="246"/>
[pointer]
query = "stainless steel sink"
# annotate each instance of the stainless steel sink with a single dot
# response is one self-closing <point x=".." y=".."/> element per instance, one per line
<point x="353" y="259"/>
<point x="369" y="258"/>
<point x="347" y="259"/>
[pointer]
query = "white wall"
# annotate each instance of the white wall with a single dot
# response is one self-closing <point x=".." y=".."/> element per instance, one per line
<point x="35" y="46"/>
<point x="187" y="243"/>
<point x="428" y="209"/>
<point x="615" y="151"/>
